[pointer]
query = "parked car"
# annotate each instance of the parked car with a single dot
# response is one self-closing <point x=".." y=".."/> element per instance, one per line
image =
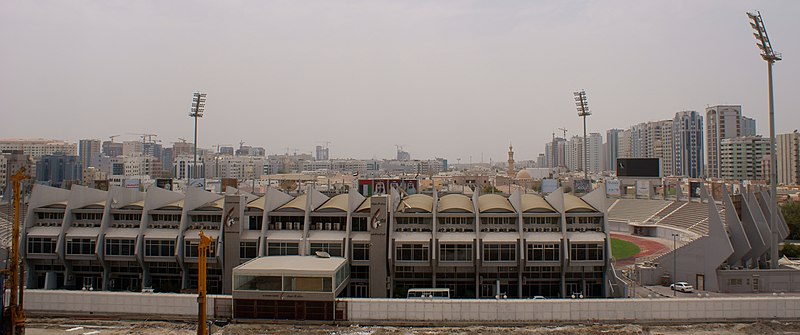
<point x="682" y="286"/>
<point x="538" y="297"/>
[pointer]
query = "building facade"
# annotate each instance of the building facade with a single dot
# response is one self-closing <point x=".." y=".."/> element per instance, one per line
<point x="36" y="148"/>
<point x="55" y="169"/>
<point x="482" y="246"/>
<point x="741" y="158"/>
<point x="89" y="150"/>
<point x="788" y="149"/>
<point x="611" y="149"/>
<point x="688" y="144"/>
<point x="722" y="121"/>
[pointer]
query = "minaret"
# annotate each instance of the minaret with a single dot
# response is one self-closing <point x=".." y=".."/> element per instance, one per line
<point x="510" y="161"/>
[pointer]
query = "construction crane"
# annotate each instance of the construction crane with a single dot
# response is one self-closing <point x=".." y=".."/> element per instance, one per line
<point x="14" y="311"/>
<point x="112" y="137"/>
<point x="183" y="140"/>
<point x="203" y="249"/>
<point x="565" y="132"/>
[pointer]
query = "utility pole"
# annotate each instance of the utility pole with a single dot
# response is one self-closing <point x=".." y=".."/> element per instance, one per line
<point x="198" y="107"/>
<point x="583" y="111"/>
<point x="770" y="56"/>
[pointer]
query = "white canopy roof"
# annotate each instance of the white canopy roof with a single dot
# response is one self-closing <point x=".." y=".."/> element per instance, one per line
<point x="44" y="231"/>
<point x="122" y="232"/>
<point x="591" y="236"/>
<point x="412" y="237"/>
<point x="291" y="266"/>
<point x="543" y="237"/>
<point x="327" y="235"/>
<point x="500" y="237"/>
<point x="456" y="237"/>
<point x="284" y="235"/>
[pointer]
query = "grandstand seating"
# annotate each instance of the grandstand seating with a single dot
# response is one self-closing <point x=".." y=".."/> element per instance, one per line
<point x="636" y="210"/>
<point x="689" y="215"/>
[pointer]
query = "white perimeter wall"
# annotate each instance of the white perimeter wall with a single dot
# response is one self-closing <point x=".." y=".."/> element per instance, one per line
<point x="115" y="303"/>
<point x="388" y="311"/>
<point x="622" y="310"/>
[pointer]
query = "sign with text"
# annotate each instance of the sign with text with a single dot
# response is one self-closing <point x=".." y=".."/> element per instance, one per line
<point x="612" y="187"/>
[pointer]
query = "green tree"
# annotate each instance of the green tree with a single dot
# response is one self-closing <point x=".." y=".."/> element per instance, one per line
<point x="490" y="189"/>
<point x="791" y="213"/>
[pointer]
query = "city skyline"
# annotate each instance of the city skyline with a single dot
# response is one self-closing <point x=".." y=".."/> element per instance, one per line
<point x="299" y="74"/>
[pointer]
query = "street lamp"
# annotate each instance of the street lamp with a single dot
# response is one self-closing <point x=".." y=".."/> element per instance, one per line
<point x="770" y="56"/>
<point x="583" y="111"/>
<point x="674" y="264"/>
<point x="198" y="107"/>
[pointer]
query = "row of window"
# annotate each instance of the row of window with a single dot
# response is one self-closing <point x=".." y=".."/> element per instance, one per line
<point x="206" y="218"/>
<point x="584" y="220"/>
<point x="127" y="217"/>
<point x="50" y="216"/>
<point x="81" y="246"/>
<point x="89" y="216"/>
<point x="536" y="252"/>
<point x="120" y="247"/>
<point x="166" y="217"/>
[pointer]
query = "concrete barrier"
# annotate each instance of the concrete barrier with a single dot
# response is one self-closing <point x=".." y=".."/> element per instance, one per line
<point x="103" y="303"/>
<point x="456" y="311"/>
<point x="387" y="311"/>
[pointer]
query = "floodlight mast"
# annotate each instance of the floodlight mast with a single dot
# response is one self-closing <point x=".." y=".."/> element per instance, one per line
<point x="198" y="107"/>
<point x="582" y="105"/>
<point x="770" y="56"/>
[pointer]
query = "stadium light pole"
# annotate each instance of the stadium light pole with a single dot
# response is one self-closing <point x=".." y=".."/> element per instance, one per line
<point x="770" y="56"/>
<point x="583" y="111"/>
<point x="198" y="107"/>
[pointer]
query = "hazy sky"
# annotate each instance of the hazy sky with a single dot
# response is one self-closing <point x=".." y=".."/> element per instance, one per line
<point x="454" y="79"/>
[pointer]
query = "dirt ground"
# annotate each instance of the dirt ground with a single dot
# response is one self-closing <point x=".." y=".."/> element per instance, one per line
<point x="91" y="327"/>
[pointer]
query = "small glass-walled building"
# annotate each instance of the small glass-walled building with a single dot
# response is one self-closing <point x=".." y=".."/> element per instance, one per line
<point x="289" y="287"/>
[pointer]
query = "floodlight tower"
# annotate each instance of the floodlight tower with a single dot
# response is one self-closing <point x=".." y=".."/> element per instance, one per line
<point x="198" y="107"/>
<point x="770" y="56"/>
<point x="583" y="111"/>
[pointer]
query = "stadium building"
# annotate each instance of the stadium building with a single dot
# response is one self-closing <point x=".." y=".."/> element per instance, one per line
<point x="483" y="246"/>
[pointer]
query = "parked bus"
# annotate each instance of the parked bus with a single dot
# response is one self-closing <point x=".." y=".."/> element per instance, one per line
<point x="428" y="293"/>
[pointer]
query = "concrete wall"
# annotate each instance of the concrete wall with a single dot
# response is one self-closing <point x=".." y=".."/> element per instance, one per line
<point x="388" y="311"/>
<point x="153" y="305"/>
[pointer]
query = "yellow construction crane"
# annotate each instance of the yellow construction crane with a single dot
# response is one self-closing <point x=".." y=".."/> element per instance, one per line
<point x="203" y="249"/>
<point x="14" y="312"/>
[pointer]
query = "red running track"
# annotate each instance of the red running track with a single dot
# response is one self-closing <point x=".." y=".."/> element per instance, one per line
<point x="646" y="246"/>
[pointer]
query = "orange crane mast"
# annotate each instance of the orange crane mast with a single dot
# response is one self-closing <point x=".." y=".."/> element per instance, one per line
<point x="14" y="312"/>
<point x="203" y="249"/>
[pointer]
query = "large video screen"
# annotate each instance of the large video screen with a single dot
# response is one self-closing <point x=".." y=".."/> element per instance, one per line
<point x="638" y="167"/>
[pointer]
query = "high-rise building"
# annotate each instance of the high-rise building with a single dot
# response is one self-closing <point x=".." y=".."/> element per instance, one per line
<point x="36" y="148"/>
<point x="573" y="154"/>
<point x="555" y="151"/>
<point x="594" y="143"/>
<point x="322" y="153"/>
<point x="88" y="151"/>
<point x="748" y="126"/>
<point x="612" y="149"/>
<point x="722" y="121"/>
<point x="130" y="148"/>
<point x="788" y="151"/>
<point x="57" y="168"/>
<point x="687" y="132"/>
<point x="10" y="162"/>
<point x="112" y="149"/>
<point x="541" y="161"/>
<point x="741" y="158"/>
<point x="625" y="145"/>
